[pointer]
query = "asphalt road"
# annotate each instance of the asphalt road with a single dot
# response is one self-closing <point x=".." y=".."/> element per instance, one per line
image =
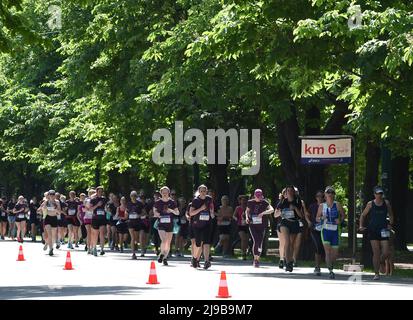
<point x="116" y="276"/>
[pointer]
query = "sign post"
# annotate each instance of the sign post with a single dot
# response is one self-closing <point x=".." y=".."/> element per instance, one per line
<point x="338" y="149"/>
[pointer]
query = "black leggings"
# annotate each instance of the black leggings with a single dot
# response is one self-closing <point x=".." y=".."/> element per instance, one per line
<point x="316" y="237"/>
<point x="257" y="235"/>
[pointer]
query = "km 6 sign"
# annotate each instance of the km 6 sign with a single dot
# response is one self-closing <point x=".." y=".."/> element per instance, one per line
<point x="325" y="151"/>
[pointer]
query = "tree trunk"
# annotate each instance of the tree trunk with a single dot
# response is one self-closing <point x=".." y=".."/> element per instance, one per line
<point x="399" y="196"/>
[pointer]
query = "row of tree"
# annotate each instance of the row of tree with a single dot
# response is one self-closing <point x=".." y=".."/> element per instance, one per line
<point x="79" y="100"/>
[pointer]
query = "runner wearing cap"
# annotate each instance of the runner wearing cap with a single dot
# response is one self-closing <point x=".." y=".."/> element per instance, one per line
<point x="378" y="228"/>
<point x="165" y="209"/>
<point x="331" y="214"/>
<point x="98" y="221"/>
<point x="20" y="210"/>
<point x="290" y="211"/>
<point x="202" y="212"/>
<point x="51" y="209"/>
<point x="241" y="219"/>
<point x="135" y="210"/>
<point x="257" y="213"/>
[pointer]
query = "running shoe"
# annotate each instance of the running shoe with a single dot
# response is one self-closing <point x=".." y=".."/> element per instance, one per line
<point x="160" y="259"/>
<point x="134" y="257"/>
<point x="142" y="254"/>
<point x="256" y="264"/>
<point x="281" y="264"/>
<point x="45" y="247"/>
<point x="207" y="265"/>
<point x="194" y="263"/>
<point x="332" y="275"/>
<point x="198" y="264"/>
<point x="57" y="245"/>
<point x="86" y="248"/>
<point x="95" y="252"/>
<point x="102" y="252"/>
<point x="376" y="277"/>
<point x="289" y="267"/>
<point x="121" y="249"/>
<point x="50" y="252"/>
<point x="317" y="271"/>
<point x="76" y="245"/>
<point x="165" y="262"/>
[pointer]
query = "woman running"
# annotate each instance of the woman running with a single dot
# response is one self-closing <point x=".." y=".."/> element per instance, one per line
<point x="165" y="209"/>
<point x="256" y="216"/>
<point x="3" y="220"/>
<point x="290" y="211"/>
<point x="51" y="208"/>
<point x="144" y="225"/>
<point x="11" y="217"/>
<point x="241" y="219"/>
<point x="183" y="228"/>
<point x="277" y="221"/>
<point x="33" y="219"/>
<point x="331" y="213"/>
<point x="316" y="230"/>
<point x="112" y="206"/>
<point x="378" y="228"/>
<point x="61" y="220"/>
<point x="72" y="220"/>
<point x="97" y="205"/>
<point x="202" y="212"/>
<point x="298" y="239"/>
<point x="134" y="212"/>
<point x="20" y="210"/>
<point x="224" y="218"/>
<point x="122" y="225"/>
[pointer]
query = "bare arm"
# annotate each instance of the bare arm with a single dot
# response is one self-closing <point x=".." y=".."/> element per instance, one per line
<point x="391" y="213"/>
<point x="364" y="215"/>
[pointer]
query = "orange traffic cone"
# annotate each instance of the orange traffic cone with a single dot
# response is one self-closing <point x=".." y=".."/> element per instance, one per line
<point x="68" y="264"/>
<point x="223" y="288"/>
<point x="21" y="256"/>
<point x="153" y="279"/>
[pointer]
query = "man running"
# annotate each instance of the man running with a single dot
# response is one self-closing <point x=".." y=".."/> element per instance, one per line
<point x="256" y="216"/>
<point x="378" y="228"/>
<point x="331" y="213"/>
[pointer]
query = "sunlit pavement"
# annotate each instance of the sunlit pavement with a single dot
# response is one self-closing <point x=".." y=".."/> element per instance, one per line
<point x="116" y="276"/>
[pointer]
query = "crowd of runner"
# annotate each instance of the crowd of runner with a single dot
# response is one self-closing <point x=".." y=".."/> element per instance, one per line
<point x="95" y="219"/>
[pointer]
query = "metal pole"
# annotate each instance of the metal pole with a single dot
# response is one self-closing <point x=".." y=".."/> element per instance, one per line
<point x="354" y="201"/>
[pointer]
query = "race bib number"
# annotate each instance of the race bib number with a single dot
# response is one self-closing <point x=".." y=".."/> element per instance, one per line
<point x="100" y="212"/>
<point x="3" y="214"/>
<point x="143" y="217"/>
<point x="165" y="220"/>
<point x="51" y="208"/>
<point x="183" y="220"/>
<point x="59" y="217"/>
<point x="133" y="216"/>
<point x="301" y="224"/>
<point x="330" y="227"/>
<point x="385" y="233"/>
<point x="89" y="215"/>
<point x="287" y="213"/>
<point x="256" y="220"/>
<point x="225" y="223"/>
<point x="72" y="212"/>
<point x="21" y="216"/>
<point x="204" y="216"/>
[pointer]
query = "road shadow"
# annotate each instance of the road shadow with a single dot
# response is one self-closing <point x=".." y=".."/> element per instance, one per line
<point x="340" y="278"/>
<point x="40" y="292"/>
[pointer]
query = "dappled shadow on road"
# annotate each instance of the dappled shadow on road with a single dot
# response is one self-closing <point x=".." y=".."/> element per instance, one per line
<point x="339" y="278"/>
<point x="43" y="292"/>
